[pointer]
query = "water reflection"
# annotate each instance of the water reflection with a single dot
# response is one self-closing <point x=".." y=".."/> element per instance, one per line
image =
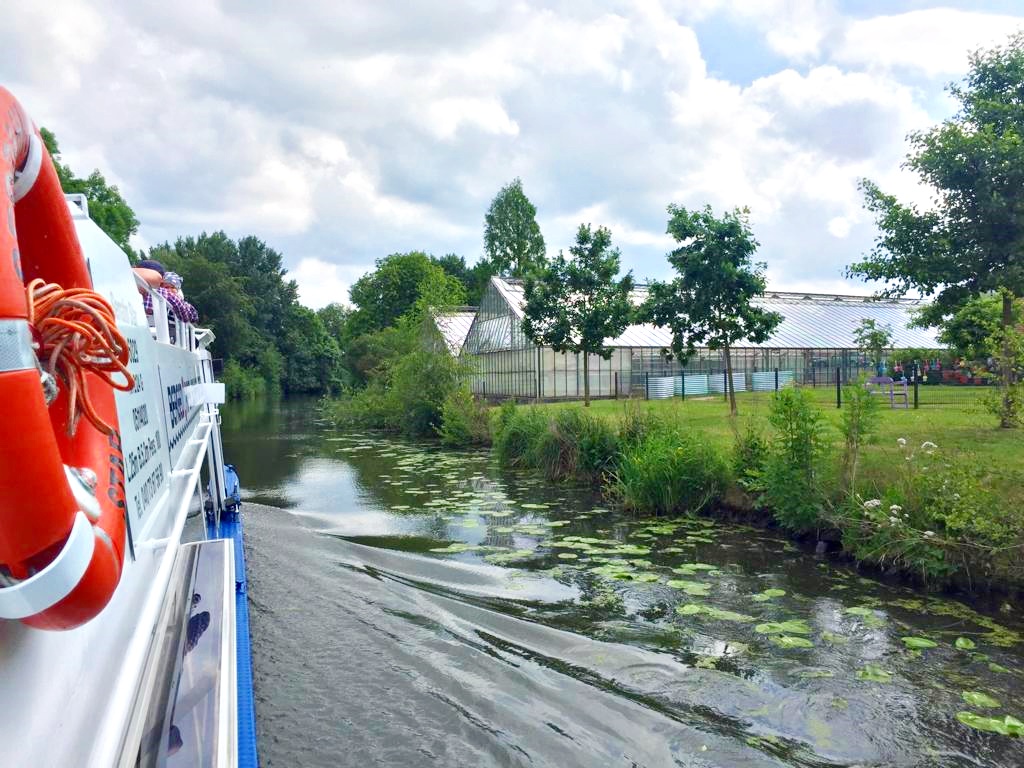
<point x="756" y="652"/>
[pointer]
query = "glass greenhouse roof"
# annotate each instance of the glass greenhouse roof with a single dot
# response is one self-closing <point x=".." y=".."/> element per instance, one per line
<point x="810" y="321"/>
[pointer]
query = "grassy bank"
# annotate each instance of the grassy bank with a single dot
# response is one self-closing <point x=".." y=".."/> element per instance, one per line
<point x="934" y="492"/>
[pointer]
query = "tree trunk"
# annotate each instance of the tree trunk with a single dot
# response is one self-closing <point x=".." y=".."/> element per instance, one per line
<point x="728" y="382"/>
<point x="586" y="379"/>
<point x="1006" y="419"/>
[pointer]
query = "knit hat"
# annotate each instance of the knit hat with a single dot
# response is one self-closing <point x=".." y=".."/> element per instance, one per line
<point x="156" y="266"/>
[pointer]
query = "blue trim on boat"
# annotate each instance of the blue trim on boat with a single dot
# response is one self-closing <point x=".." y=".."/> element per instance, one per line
<point x="231" y="528"/>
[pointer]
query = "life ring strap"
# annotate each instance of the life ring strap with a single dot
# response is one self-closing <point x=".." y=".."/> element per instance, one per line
<point x="56" y="581"/>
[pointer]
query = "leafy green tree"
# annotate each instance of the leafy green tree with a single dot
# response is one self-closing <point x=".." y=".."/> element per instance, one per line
<point x="393" y="288"/>
<point x="574" y="304"/>
<point x="311" y="357"/>
<point x="970" y="242"/>
<point x="513" y="244"/>
<point x="334" y="317"/>
<point x="873" y="339"/>
<point x="970" y="329"/>
<point x="106" y="206"/>
<point x="241" y="291"/>
<point x="710" y="304"/>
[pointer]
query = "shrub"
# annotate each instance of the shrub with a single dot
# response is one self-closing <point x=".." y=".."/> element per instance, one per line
<point x="519" y="431"/>
<point x="671" y="471"/>
<point x="464" y="419"/>
<point x="789" y="482"/>
<point x="750" y="452"/>
<point x="941" y="517"/>
<point x="368" y="408"/>
<point x="242" y="383"/>
<point x="576" y="444"/>
<point x="858" y="421"/>
<point x="636" y="423"/>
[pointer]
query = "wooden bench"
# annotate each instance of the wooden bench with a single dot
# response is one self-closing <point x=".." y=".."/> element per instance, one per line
<point x="886" y="385"/>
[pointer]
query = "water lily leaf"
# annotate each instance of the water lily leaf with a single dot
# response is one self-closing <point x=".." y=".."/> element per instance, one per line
<point x="789" y="641"/>
<point x="793" y="626"/>
<point x="768" y="594"/>
<point x="646" y="577"/>
<point x="718" y="613"/>
<point x="860" y="610"/>
<point x="689" y="609"/>
<point x="1007" y="726"/>
<point x="694" y="588"/>
<point x="534" y="506"/>
<point x="997" y="667"/>
<point x="918" y="643"/>
<point x="965" y="644"/>
<point x="979" y="699"/>
<point x="874" y="674"/>
<point x="832" y="637"/>
<point x="567" y="556"/>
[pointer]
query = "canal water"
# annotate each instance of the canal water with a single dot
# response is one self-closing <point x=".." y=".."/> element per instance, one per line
<point x="416" y="606"/>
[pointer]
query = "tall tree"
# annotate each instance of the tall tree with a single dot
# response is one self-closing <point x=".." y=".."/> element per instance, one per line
<point x="710" y="304"/>
<point x="873" y="339"/>
<point x="393" y="288"/>
<point x="574" y="304"/>
<point x="513" y="244"/>
<point x="106" y="206"/>
<point x="970" y="241"/>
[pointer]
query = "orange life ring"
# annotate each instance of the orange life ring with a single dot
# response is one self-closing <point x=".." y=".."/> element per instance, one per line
<point x="62" y="497"/>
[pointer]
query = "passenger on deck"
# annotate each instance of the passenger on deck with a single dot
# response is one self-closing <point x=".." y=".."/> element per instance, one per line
<point x="181" y="308"/>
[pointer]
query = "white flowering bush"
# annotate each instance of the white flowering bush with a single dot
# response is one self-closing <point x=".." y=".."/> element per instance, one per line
<point x="939" y="518"/>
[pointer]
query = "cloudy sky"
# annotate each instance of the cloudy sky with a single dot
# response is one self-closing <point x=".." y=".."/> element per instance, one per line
<point x="340" y="131"/>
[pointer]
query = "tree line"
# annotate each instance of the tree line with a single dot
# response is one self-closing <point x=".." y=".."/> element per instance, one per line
<point x="269" y="342"/>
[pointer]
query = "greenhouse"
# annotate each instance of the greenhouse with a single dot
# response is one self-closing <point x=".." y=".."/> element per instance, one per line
<point x="813" y="344"/>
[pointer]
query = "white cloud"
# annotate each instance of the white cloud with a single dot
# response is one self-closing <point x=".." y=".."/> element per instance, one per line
<point x="322" y="283"/>
<point x="934" y="41"/>
<point x="344" y="131"/>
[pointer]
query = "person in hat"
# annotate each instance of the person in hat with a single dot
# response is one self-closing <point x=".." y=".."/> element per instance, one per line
<point x="155" y="275"/>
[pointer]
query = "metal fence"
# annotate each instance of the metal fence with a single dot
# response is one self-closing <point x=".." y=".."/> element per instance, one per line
<point x="915" y="390"/>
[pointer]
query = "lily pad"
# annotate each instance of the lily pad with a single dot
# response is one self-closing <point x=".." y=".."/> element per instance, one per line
<point x="722" y="615"/>
<point x="835" y="639"/>
<point x="979" y="699"/>
<point x="693" y="588"/>
<point x="874" y="674"/>
<point x="789" y="641"/>
<point x="567" y="556"/>
<point x="993" y="667"/>
<point x="768" y="594"/>
<point x="1007" y="726"/>
<point x="918" y="643"/>
<point x="965" y="644"/>
<point x="793" y="626"/>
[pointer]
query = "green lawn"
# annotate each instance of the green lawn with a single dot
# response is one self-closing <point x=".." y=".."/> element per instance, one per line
<point x="962" y="426"/>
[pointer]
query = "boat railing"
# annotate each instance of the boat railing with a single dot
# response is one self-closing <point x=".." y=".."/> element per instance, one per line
<point x="168" y="328"/>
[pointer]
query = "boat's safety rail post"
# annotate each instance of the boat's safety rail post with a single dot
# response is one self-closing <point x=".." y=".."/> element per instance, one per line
<point x="202" y="338"/>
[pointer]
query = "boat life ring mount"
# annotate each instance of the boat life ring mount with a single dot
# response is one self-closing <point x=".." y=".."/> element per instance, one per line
<point x="62" y="496"/>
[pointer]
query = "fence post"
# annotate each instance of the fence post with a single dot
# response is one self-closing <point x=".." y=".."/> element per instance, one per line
<point x="776" y="379"/>
<point x="682" y="386"/>
<point x="917" y="378"/>
<point x="725" y="384"/>
<point x="839" y="388"/>
<point x="616" y="385"/>
<point x="647" y="385"/>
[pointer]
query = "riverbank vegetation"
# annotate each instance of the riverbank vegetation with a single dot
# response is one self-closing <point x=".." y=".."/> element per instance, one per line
<point x="931" y="493"/>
